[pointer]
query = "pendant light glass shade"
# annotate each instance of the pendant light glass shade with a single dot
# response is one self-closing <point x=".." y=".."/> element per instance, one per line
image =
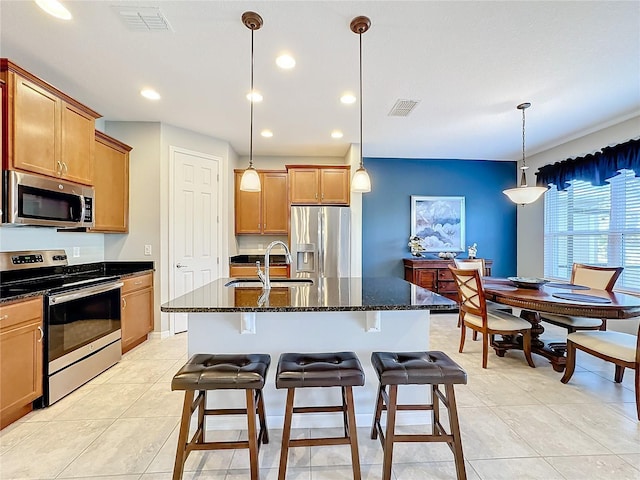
<point x="360" y="183"/>
<point x="524" y="194"/>
<point x="250" y="181"/>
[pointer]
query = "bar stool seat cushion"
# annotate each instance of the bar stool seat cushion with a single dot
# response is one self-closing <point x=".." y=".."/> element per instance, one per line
<point x="206" y="371"/>
<point x="299" y="370"/>
<point x="416" y="368"/>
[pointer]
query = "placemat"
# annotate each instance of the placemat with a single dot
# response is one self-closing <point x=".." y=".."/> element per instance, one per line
<point x="569" y="286"/>
<point x="498" y="287"/>
<point x="580" y="297"/>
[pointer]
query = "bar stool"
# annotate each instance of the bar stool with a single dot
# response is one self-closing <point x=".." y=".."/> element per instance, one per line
<point x="417" y="368"/>
<point x="302" y="370"/>
<point x="204" y="372"/>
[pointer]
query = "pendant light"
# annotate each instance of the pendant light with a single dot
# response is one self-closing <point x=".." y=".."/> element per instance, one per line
<point x="250" y="181"/>
<point x="524" y="194"/>
<point x="361" y="182"/>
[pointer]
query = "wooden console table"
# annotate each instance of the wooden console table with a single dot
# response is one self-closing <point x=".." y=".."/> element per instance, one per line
<point x="433" y="274"/>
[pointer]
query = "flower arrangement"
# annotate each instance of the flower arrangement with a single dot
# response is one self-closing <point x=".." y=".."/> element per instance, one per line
<point x="472" y="250"/>
<point x="415" y="245"/>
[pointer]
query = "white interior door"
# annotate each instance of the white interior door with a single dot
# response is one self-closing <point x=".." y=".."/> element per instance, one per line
<point x="194" y="250"/>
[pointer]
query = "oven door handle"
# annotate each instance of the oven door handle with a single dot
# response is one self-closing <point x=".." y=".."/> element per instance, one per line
<point x="85" y="292"/>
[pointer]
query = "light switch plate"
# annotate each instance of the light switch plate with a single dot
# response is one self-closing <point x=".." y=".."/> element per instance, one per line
<point x="147" y="250"/>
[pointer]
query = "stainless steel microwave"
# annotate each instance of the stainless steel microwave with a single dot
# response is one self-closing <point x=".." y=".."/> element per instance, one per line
<point x="35" y="200"/>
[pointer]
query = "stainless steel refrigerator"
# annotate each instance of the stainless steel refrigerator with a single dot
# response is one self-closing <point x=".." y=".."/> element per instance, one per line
<point x="321" y="241"/>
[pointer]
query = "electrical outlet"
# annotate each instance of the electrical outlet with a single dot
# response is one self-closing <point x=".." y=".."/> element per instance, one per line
<point x="147" y="250"/>
<point x="76" y="251"/>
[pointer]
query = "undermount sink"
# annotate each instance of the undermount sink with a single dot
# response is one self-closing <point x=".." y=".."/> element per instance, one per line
<point x="275" y="283"/>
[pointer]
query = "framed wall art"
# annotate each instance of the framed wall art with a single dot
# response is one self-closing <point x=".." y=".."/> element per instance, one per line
<point x="439" y="222"/>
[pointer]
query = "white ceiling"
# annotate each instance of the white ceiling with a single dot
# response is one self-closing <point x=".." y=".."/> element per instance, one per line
<point x="468" y="63"/>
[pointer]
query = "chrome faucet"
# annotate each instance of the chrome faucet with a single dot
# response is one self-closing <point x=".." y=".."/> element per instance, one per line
<point x="264" y="276"/>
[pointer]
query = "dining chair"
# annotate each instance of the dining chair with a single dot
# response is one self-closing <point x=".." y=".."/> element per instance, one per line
<point x="478" y="264"/>
<point x="601" y="278"/>
<point x="475" y="315"/>
<point x="622" y="349"/>
<point x="470" y="264"/>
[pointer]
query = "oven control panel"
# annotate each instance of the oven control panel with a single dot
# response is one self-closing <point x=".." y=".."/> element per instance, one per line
<point x="32" y="259"/>
<point x="21" y="259"/>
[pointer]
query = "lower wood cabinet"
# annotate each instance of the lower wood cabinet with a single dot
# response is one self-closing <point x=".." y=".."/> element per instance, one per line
<point x="251" y="271"/>
<point x="136" y="310"/>
<point x="434" y="275"/>
<point x="251" y="297"/>
<point x="21" y="358"/>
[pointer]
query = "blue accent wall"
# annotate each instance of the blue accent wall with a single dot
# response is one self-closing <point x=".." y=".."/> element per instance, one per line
<point x="386" y="210"/>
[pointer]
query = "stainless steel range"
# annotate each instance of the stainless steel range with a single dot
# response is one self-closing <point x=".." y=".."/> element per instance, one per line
<point x="82" y="336"/>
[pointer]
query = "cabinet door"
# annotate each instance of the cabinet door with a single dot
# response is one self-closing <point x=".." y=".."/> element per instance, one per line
<point x="275" y="208"/>
<point x="247" y="209"/>
<point x="20" y="358"/>
<point x="36" y="142"/>
<point x="334" y="186"/>
<point x="137" y="317"/>
<point x="304" y="185"/>
<point x="77" y="150"/>
<point x="426" y="279"/>
<point x="111" y="201"/>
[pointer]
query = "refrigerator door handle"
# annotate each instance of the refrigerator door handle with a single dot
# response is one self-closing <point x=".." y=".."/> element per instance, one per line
<point x="321" y="242"/>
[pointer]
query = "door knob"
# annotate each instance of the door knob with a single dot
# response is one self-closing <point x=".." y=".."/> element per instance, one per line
<point x="179" y="265"/>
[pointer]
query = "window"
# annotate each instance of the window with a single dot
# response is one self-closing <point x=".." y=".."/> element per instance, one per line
<point x="597" y="225"/>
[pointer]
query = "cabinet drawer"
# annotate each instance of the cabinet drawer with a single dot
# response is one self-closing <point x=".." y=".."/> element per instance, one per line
<point x="20" y="312"/>
<point x="250" y="271"/>
<point x="445" y="274"/>
<point x="138" y="282"/>
<point x="447" y="287"/>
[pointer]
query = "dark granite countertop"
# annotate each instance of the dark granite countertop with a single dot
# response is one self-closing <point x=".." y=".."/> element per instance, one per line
<point x="324" y="295"/>
<point x="122" y="269"/>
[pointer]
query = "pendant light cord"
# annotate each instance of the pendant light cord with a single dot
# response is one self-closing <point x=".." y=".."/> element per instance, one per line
<point x="361" y="146"/>
<point x="524" y="164"/>
<point x="252" y="99"/>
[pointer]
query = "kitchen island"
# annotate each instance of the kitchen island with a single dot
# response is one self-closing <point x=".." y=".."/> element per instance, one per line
<point x="330" y="314"/>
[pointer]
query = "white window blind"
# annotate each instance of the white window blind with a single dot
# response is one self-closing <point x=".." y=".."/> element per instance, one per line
<point x="597" y="225"/>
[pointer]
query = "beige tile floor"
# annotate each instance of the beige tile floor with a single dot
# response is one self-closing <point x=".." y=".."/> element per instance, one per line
<point x="516" y="422"/>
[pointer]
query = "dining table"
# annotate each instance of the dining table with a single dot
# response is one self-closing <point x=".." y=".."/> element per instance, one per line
<point x="561" y="298"/>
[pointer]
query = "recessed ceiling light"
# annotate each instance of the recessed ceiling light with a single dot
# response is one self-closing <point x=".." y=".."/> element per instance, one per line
<point x="336" y="134"/>
<point x="266" y="133"/>
<point x="348" y="98"/>
<point x="285" y="61"/>
<point x="254" y="96"/>
<point x="150" y="94"/>
<point x="54" y="8"/>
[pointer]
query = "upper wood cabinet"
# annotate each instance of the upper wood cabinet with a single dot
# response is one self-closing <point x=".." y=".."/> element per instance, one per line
<point x="46" y="131"/>
<point x="319" y="184"/>
<point x="265" y="212"/>
<point x="111" y="169"/>
<point x="21" y="358"/>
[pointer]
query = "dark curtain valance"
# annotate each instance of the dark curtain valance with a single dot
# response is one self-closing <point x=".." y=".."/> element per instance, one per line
<point x="594" y="168"/>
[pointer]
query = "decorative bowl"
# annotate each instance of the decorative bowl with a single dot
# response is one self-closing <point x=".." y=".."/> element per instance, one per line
<point x="528" y="282"/>
<point x="447" y="255"/>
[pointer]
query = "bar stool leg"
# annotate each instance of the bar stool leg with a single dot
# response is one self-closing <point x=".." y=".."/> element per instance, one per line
<point x="389" y="436"/>
<point x="185" y="419"/>
<point x="455" y="432"/>
<point x="252" y="434"/>
<point x="263" y="418"/>
<point x="377" y="414"/>
<point x="202" y="405"/>
<point x="286" y="434"/>
<point x="353" y="434"/>
<point x="435" y="411"/>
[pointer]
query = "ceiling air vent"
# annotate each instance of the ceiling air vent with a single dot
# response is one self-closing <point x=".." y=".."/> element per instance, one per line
<point x="403" y="108"/>
<point x="143" y="19"/>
